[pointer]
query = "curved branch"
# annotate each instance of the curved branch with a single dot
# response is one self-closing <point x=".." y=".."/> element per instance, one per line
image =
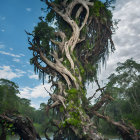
<point x="99" y="89"/>
<point x="59" y="99"/>
<point x="61" y="34"/>
<point x="60" y="44"/>
<point x="127" y="131"/>
<point x="87" y="15"/>
<point x="73" y="40"/>
<point x="67" y="80"/>
<point x="79" y="12"/>
<point x="66" y="47"/>
<point x="100" y="103"/>
<point x="61" y="69"/>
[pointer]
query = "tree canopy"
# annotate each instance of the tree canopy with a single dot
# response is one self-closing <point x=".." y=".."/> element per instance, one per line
<point x="8" y="94"/>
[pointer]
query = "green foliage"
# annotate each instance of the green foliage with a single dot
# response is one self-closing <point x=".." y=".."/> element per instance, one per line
<point x="66" y="63"/>
<point x="8" y="96"/>
<point x="96" y="8"/>
<point x="106" y="129"/>
<point x="38" y="128"/>
<point x="73" y="106"/>
<point x="124" y="86"/>
<point x="61" y="108"/>
<point x="72" y="91"/>
<point x="74" y="121"/>
<point x="50" y="16"/>
<point x="72" y="98"/>
<point x="42" y="34"/>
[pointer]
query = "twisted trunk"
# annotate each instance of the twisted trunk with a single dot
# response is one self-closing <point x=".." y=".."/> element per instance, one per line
<point x="74" y="116"/>
<point x="70" y="96"/>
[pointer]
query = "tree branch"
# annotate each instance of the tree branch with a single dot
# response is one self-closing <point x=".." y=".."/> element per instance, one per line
<point x="127" y="131"/>
<point x="100" y="103"/>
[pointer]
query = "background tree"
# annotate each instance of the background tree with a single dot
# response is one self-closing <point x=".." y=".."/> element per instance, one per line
<point x="8" y="94"/>
<point x="12" y="110"/>
<point x="68" y="53"/>
<point x="9" y="102"/>
<point x="124" y="86"/>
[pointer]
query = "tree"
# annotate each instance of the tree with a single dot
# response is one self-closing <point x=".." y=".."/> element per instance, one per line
<point x="124" y="86"/>
<point x="68" y="53"/>
<point x="11" y="121"/>
<point x="8" y="102"/>
<point x="8" y="96"/>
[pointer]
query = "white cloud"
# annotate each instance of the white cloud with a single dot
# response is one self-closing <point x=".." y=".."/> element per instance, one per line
<point x="35" y="92"/>
<point x="2" y="45"/>
<point x="10" y="54"/>
<point x="20" y="71"/>
<point x="126" y="39"/>
<point x="21" y="54"/>
<point x="28" y="9"/>
<point x="16" y="60"/>
<point x="7" y="73"/>
<point x="33" y="76"/>
<point x="35" y="105"/>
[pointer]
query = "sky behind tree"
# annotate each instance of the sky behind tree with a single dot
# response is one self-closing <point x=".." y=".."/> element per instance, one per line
<point x="16" y="16"/>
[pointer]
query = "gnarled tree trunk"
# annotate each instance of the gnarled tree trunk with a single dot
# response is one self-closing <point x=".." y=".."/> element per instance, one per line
<point x="66" y="70"/>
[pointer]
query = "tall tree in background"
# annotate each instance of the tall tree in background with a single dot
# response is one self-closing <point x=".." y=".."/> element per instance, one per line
<point x="69" y="52"/>
<point x="8" y="103"/>
<point x="8" y="96"/>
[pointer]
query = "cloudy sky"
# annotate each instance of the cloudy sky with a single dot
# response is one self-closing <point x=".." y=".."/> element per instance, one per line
<point x="19" y="15"/>
<point x="126" y="39"/>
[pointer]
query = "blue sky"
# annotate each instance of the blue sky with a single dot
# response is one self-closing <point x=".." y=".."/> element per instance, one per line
<point x="15" y="17"/>
<point x="19" y="15"/>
